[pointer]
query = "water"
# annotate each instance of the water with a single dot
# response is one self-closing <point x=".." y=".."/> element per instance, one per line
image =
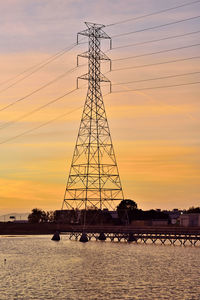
<point x="38" y="268"/>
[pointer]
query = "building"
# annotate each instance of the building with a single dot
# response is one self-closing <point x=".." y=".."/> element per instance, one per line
<point x="174" y="215"/>
<point x="160" y="222"/>
<point x="190" y="220"/>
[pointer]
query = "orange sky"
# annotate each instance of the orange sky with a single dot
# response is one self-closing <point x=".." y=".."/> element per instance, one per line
<point x="155" y="132"/>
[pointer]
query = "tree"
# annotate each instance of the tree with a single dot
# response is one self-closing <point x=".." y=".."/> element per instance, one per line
<point x="37" y="216"/>
<point x="126" y="210"/>
<point x="193" y="210"/>
<point x="50" y="216"/>
<point x="127" y="204"/>
<point x="154" y="214"/>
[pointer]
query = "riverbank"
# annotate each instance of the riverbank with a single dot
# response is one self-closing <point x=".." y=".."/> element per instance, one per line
<point x="12" y="228"/>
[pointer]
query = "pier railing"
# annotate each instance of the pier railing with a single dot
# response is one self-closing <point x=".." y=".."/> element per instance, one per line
<point x="155" y="235"/>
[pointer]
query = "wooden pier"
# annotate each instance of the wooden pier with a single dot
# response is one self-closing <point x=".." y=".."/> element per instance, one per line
<point x="154" y="235"/>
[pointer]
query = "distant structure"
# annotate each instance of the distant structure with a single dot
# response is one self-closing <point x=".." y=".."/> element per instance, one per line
<point x="190" y="220"/>
<point x="93" y="181"/>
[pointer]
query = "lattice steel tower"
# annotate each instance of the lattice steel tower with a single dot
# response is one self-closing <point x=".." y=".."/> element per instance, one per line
<point x="93" y="180"/>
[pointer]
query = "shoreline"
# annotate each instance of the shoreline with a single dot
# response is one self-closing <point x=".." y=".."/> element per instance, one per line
<point x="50" y="228"/>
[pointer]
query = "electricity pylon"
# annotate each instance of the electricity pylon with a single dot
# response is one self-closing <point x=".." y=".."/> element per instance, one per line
<point x="93" y="180"/>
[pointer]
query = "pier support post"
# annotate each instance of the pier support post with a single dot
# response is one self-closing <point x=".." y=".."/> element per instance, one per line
<point x="83" y="238"/>
<point x="102" y="237"/>
<point x="131" y="238"/>
<point x="56" y="236"/>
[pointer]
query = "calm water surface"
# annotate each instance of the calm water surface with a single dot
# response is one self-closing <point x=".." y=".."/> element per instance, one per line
<point x="38" y="268"/>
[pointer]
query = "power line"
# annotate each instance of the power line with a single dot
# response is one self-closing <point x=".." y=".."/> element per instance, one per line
<point x="152" y="14"/>
<point x="157" y="78"/>
<point x="155" y="27"/>
<point x="39" y="126"/>
<point x="157" y="87"/>
<point x="43" y="124"/>
<point x="64" y="74"/>
<point x="37" y="90"/>
<point x="60" y="116"/>
<point x="38" y="64"/>
<point x="37" y="69"/>
<point x="156" y="64"/>
<point x="157" y="52"/>
<point x="36" y="110"/>
<point x="156" y="40"/>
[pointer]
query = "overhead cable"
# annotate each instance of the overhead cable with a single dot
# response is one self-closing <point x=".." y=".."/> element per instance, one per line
<point x="39" y="126"/>
<point x="157" y="52"/>
<point x="153" y="13"/>
<point x="40" y="66"/>
<point x="157" y="78"/>
<point x="156" y="64"/>
<point x="156" y="40"/>
<point x="5" y="125"/>
<point x="155" y="27"/>
<point x="39" y="89"/>
<point x="156" y="87"/>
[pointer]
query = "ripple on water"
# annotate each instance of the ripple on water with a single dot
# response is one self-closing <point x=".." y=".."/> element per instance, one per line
<point x="38" y="268"/>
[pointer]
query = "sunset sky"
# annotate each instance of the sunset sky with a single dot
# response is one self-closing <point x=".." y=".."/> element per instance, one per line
<point x="156" y="132"/>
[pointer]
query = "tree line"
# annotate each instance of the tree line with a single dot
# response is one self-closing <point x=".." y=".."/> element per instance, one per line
<point x="127" y="211"/>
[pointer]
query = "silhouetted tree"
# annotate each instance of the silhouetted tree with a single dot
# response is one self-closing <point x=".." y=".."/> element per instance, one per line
<point x="50" y="215"/>
<point x="154" y="214"/>
<point x="66" y="216"/>
<point x="193" y="210"/>
<point x="126" y="209"/>
<point x="127" y="204"/>
<point x="37" y="216"/>
<point x="95" y="217"/>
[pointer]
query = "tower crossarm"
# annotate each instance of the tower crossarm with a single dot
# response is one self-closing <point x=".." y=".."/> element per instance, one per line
<point x="94" y="29"/>
<point x="102" y="56"/>
<point x="89" y="77"/>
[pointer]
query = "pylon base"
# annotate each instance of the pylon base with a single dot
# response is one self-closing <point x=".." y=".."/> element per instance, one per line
<point x="83" y="238"/>
<point x="102" y="237"/>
